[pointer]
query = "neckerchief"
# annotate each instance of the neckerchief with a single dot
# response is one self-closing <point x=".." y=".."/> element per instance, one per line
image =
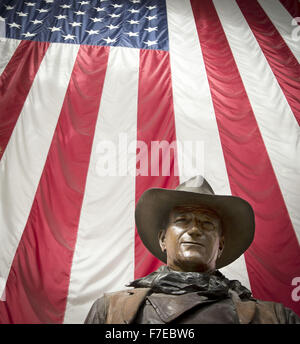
<point x="212" y="285"/>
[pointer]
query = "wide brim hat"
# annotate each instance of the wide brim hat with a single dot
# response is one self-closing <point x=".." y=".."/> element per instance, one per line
<point x="236" y="215"/>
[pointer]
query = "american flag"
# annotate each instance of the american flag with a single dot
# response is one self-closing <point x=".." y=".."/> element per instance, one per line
<point x="77" y="75"/>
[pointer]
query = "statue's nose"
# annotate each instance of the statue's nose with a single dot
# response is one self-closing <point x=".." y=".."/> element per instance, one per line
<point x="195" y="227"/>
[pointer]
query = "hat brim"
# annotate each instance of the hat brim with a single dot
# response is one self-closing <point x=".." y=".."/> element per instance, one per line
<point x="237" y="216"/>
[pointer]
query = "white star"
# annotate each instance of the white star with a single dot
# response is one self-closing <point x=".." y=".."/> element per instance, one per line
<point x="49" y="1"/>
<point x="42" y="10"/>
<point x="29" y="3"/>
<point x="68" y="37"/>
<point x="111" y="27"/>
<point x="151" y="17"/>
<point x="76" y="24"/>
<point x="151" y="7"/>
<point x="116" y="5"/>
<point x="109" y="40"/>
<point x="84" y="2"/>
<point x="134" y="11"/>
<point x="36" y="21"/>
<point x="133" y="21"/>
<point x="22" y="14"/>
<point x="92" y="32"/>
<point x="103" y="0"/>
<point x="95" y="20"/>
<point x="132" y="34"/>
<point x="136" y="1"/>
<point x="2" y="18"/>
<point x="11" y="25"/>
<point x="9" y="7"/>
<point x="28" y="34"/>
<point x="149" y="43"/>
<point x="80" y="13"/>
<point x="114" y="15"/>
<point x="150" y="29"/>
<point x="65" y="6"/>
<point x="53" y="28"/>
<point x="99" y="9"/>
<point x="61" y="17"/>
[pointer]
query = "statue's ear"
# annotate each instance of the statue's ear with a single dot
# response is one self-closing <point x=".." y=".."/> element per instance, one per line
<point x="221" y="245"/>
<point x="162" y="238"/>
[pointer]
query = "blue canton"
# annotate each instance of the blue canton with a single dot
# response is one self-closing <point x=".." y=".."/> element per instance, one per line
<point x="138" y="24"/>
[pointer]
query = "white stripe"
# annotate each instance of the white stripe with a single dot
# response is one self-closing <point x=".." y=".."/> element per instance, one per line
<point x="104" y="254"/>
<point x="7" y="49"/>
<point x="194" y="113"/>
<point x="282" y="20"/>
<point x="25" y="155"/>
<point x="278" y="126"/>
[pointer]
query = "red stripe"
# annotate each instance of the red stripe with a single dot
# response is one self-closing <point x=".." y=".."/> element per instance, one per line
<point x="155" y="122"/>
<point x="273" y="259"/>
<point x="280" y="58"/>
<point x="38" y="282"/>
<point x="292" y="6"/>
<point x="15" y="84"/>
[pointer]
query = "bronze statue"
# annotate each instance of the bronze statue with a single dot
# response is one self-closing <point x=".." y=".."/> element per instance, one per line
<point x="194" y="232"/>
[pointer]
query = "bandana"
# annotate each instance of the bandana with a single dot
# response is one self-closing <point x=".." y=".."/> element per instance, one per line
<point x="212" y="285"/>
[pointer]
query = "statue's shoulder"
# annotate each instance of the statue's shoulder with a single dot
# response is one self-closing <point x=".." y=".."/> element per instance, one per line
<point x="123" y="305"/>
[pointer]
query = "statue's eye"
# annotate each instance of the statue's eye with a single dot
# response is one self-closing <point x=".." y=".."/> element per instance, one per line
<point x="180" y="219"/>
<point x="208" y="225"/>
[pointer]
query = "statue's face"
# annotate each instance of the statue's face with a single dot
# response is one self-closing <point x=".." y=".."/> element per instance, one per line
<point x="193" y="239"/>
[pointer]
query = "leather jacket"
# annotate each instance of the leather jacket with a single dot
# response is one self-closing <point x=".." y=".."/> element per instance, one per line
<point x="124" y="306"/>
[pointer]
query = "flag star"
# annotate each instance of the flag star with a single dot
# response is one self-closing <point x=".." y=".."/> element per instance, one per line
<point x="28" y="34"/>
<point x="117" y="5"/>
<point x="136" y="1"/>
<point x="114" y="15"/>
<point x="9" y="7"/>
<point x="150" y="29"/>
<point x="84" y="2"/>
<point x="132" y="34"/>
<point x="36" y="21"/>
<point x="133" y="21"/>
<point x="149" y="43"/>
<point x="79" y="13"/>
<point x="49" y="1"/>
<point x="75" y="24"/>
<point x="11" y="25"/>
<point x="95" y="20"/>
<point x="103" y="0"/>
<point x="29" y="3"/>
<point x="109" y="40"/>
<point x="111" y="27"/>
<point x="53" y="28"/>
<point x="22" y="14"/>
<point x="151" y="17"/>
<point x="68" y="37"/>
<point x="65" y="6"/>
<point x="61" y="16"/>
<point x="2" y="18"/>
<point x="92" y="32"/>
<point x="134" y="11"/>
<point x="42" y="10"/>
<point x="151" y="7"/>
<point x="99" y="9"/>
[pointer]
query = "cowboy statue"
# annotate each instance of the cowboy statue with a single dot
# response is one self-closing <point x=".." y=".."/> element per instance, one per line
<point x="194" y="232"/>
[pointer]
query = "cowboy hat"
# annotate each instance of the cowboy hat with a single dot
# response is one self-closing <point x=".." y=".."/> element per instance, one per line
<point x="236" y="214"/>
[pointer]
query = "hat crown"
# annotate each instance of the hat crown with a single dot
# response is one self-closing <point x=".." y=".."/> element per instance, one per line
<point x="197" y="184"/>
